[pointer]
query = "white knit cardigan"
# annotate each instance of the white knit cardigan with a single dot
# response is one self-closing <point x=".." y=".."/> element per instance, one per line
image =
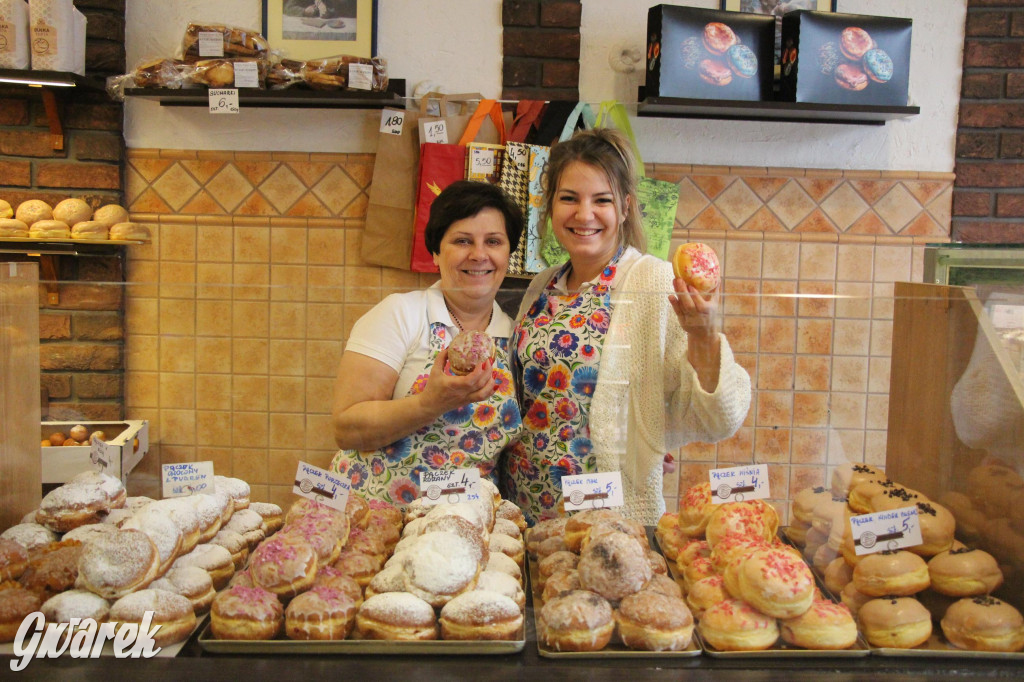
<point x="648" y="400"/>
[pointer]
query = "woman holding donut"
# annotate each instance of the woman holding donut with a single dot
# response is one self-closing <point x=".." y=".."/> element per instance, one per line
<point x="616" y="361"/>
<point x="398" y="410"/>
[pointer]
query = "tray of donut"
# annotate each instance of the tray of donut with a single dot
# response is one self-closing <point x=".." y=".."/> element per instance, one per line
<point x="600" y="590"/>
<point x="434" y="579"/>
<point x="939" y="598"/>
<point x="752" y="594"/>
<point x="92" y="552"/>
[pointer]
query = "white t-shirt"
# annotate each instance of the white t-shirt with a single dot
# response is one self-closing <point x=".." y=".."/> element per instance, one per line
<point x="397" y="332"/>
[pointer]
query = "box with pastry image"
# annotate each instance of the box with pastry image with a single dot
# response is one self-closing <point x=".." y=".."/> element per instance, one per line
<point x="67" y="448"/>
<point x="709" y="54"/>
<point x="845" y="59"/>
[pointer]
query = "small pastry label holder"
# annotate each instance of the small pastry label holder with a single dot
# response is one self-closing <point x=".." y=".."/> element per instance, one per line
<point x="449" y="486"/>
<point x="736" y="484"/>
<point x="321" y="485"/>
<point x="890" y="529"/>
<point x="592" y="491"/>
<point x="187" y="478"/>
<point x="100" y="453"/>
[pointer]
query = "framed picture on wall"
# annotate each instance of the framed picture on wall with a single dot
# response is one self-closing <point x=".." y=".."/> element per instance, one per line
<point x="313" y="29"/>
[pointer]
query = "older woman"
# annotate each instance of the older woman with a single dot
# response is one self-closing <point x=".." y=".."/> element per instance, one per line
<point x="397" y="412"/>
<point x="612" y="370"/>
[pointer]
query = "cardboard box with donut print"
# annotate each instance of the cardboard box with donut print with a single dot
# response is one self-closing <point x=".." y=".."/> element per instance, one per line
<point x="845" y="58"/>
<point x="709" y="54"/>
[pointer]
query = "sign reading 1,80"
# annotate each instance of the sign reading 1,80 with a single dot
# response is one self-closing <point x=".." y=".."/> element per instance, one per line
<point x="449" y="485"/>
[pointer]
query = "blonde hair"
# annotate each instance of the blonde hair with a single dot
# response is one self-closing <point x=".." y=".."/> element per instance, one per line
<point x="611" y="151"/>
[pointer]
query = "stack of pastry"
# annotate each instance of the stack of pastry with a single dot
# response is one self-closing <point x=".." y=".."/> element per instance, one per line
<point x="745" y="587"/>
<point x="597" y="577"/>
<point x="897" y="594"/>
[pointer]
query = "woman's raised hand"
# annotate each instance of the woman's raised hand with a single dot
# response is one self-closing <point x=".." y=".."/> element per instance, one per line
<point x="695" y="312"/>
<point x="448" y="391"/>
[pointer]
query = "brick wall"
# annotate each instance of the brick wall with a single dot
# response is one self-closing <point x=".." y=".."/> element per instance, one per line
<point x="541" y="46"/>
<point x="988" y="197"/>
<point x="81" y="337"/>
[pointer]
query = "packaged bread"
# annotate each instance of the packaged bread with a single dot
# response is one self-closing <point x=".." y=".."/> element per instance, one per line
<point x="230" y="73"/>
<point x="150" y="73"/>
<point x="284" y="73"/>
<point x="14" y="34"/>
<point x="205" y="41"/>
<point x="345" y="72"/>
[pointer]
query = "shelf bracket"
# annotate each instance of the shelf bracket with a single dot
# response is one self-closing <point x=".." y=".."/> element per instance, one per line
<point x="53" y="118"/>
<point x="48" y="277"/>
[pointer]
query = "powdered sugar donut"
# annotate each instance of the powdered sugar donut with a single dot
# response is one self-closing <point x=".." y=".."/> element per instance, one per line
<point x="213" y="559"/>
<point x="481" y="615"/>
<point x="235" y="544"/>
<point x="614" y="566"/>
<point x="579" y="620"/>
<point x="61" y="608"/>
<point x="88" y="533"/>
<point x="117" y="564"/>
<point x="443" y="566"/>
<point x="31" y="536"/>
<point x="396" y="616"/>
<point x="190" y="582"/>
<point x="391" y="578"/>
<point x="69" y="506"/>
<point x="184" y="516"/>
<point x="162" y="530"/>
<point x="236" y="488"/>
<point x="13" y="559"/>
<point x="52" y="570"/>
<point x="209" y="510"/>
<point x="110" y="485"/>
<point x="505" y="584"/>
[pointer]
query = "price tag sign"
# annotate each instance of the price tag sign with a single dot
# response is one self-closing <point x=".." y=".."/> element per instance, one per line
<point x="481" y="161"/>
<point x="735" y="484"/>
<point x="360" y="76"/>
<point x="435" y="131"/>
<point x="321" y="485"/>
<point x="211" y="44"/>
<point x="101" y="454"/>
<point x="187" y="478"/>
<point x="1007" y="316"/>
<point x="892" y="529"/>
<point x="592" y="491"/>
<point x="449" y="486"/>
<point x="247" y="75"/>
<point x="223" y="101"/>
<point x="391" y="121"/>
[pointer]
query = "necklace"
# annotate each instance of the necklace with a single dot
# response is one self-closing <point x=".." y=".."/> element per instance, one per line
<point x="455" y="318"/>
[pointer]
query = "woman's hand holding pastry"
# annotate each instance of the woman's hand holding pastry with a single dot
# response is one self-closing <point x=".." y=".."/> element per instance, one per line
<point x="447" y="391"/>
<point x="695" y="312"/>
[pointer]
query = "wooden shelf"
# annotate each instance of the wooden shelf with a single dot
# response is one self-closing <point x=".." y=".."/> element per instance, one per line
<point x="793" y="112"/>
<point x="294" y="97"/>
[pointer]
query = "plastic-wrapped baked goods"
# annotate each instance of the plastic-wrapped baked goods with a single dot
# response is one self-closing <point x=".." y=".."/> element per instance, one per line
<point x="284" y="73"/>
<point x="346" y="72"/>
<point x="221" y="73"/>
<point x="234" y="42"/>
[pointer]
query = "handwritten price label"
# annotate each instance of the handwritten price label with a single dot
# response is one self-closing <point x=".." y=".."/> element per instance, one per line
<point x="736" y="484"/>
<point x="360" y="77"/>
<point x="100" y="454"/>
<point x="391" y="121"/>
<point x="892" y="529"/>
<point x="435" y="131"/>
<point x="211" y="44"/>
<point x="247" y="75"/>
<point x="321" y="485"/>
<point x="482" y="161"/>
<point x="187" y="478"/>
<point x="592" y="491"/>
<point x="450" y="485"/>
<point x="223" y="101"/>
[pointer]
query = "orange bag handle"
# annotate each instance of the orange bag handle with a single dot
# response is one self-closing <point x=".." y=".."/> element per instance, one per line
<point x="487" y="107"/>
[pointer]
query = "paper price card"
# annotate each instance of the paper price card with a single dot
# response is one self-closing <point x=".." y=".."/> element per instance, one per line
<point x="187" y="478"/>
<point x="391" y="121"/>
<point x="321" y="485"/>
<point x="360" y="76"/>
<point x="891" y="529"/>
<point x="435" y="131"/>
<point x="223" y="101"/>
<point x="247" y="75"/>
<point x="735" y="484"/>
<point x="1007" y="316"/>
<point x="450" y="485"/>
<point x="592" y="491"/>
<point x="211" y="44"/>
<point x="101" y="454"/>
<point x="482" y="161"/>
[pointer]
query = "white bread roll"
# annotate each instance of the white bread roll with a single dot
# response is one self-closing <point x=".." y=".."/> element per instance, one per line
<point x="9" y="227"/>
<point x="5" y="210"/>
<point x="49" y="229"/>
<point x="90" y="229"/>
<point x="129" y="232"/>
<point x="32" y="211"/>
<point x="72" y="211"/>
<point x="111" y="214"/>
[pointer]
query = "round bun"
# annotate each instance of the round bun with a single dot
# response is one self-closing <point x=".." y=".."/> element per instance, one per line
<point x="129" y="232"/>
<point x="117" y="564"/>
<point x="190" y="582"/>
<point x="443" y="566"/>
<point x="81" y="604"/>
<point x="984" y="624"/>
<point x="171" y="612"/>
<point x="15" y="603"/>
<point x="825" y="625"/>
<point x="33" y="211"/>
<point x="49" y="229"/>
<point x="804" y="501"/>
<point x="322" y="613"/>
<point x="5" y="209"/>
<point x="249" y="613"/>
<point x="9" y="227"/>
<point x="396" y="616"/>
<point x="705" y="593"/>
<point x="838" y="574"/>
<point x="468" y="350"/>
<point x="72" y="211"/>
<point x="652" y="621"/>
<point x="697" y="264"/>
<point x="90" y="229"/>
<point x="753" y="518"/>
<point x="775" y="582"/>
<point x="283" y="566"/>
<point x="937" y="529"/>
<point x="579" y="620"/>
<point x="966" y="572"/>
<point x="895" y="572"/>
<point x="895" y="622"/>
<point x="481" y="615"/>
<point x="614" y="566"/>
<point x="734" y="625"/>
<point x="111" y="214"/>
<point x="53" y="569"/>
<point x="13" y="559"/>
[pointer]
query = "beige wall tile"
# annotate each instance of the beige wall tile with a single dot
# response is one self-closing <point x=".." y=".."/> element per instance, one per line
<point x="177" y="354"/>
<point x="287" y="320"/>
<point x="282" y="465"/>
<point x="250" y="318"/>
<point x="849" y="374"/>
<point x="177" y="280"/>
<point x="287" y="357"/>
<point x="214" y="355"/>
<point x="738" y="448"/>
<point x="852" y="337"/>
<point x="177" y="242"/>
<point x="213" y="428"/>
<point x="177" y="316"/>
<point x="142" y="316"/>
<point x="805" y="477"/>
<point x="875" y="447"/>
<point x="878" y="375"/>
<point x="249" y="355"/>
<point x="774" y="408"/>
<point x="288" y="282"/>
<point x="809" y="446"/>
<point x="854" y="262"/>
<point x="288" y="245"/>
<point x="854" y="299"/>
<point x="846" y="445"/>
<point x="742" y="333"/>
<point x="177" y="390"/>
<point x="778" y="335"/>
<point x="326" y="283"/>
<point x="353" y="311"/>
<point x="213" y="391"/>
<point x="322" y="358"/>
<point x="174" y="454"/>
<point x="781" y="260"/>
<point x="213" y="281"/>
<point x="249" y="392"/>
<point x="878" y="412"/>
<point x="772" y="445"/>
<point x="778" y="298"/>
<point x="775" y="372"/>
<point x="812" y="373"/>
<point x="214" y="243"/>
<point x="319" y="395"/>
<point x="252" y="244"/>
<point x="141" y="353"/>
<point x="817" y="299"/>
<point x="325" y="321"/>
<point x="251" y="281"/>
<point x="847" y="410"/>
<point x="177" y="427"/>
<point x="818" y="261"/>
<point x="892" y="263"/>
<point x="250" y="465"/>
<point x="213" y="317"/>
<point x="327" y="246"/>
<point x="320" y="433"/>
<point x="220" y="456"/>
<point x="142" y="389"/>
<point x="881" y="337"/>
<point x="814" y="336"/>
<point x="810" y="410"/>
<point x="882" y="303"/>
<point x="248" y="430"/>
<point x="287" y="430"/>
<point x="740" y="297"/>
<point x="287" y="394"/>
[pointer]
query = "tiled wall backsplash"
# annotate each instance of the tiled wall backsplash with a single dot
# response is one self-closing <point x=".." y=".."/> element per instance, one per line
<point x="238" y="311"/>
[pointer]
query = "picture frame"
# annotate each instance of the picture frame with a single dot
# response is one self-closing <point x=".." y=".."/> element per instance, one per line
<point x="314" y="29"/>
<point x="769" y="6"/>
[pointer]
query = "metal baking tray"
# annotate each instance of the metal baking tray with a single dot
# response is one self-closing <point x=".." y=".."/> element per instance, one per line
<point x="169" y="651"/>
<point x="615" y="648"/>
<point x="938" y="647"/>
<point x="360" y="646"/>
<point x="780" y="649"/>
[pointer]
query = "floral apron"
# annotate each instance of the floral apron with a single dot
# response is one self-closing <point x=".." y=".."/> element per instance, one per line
<point x="558" y="347"/>
<point x="473" y="434"/>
